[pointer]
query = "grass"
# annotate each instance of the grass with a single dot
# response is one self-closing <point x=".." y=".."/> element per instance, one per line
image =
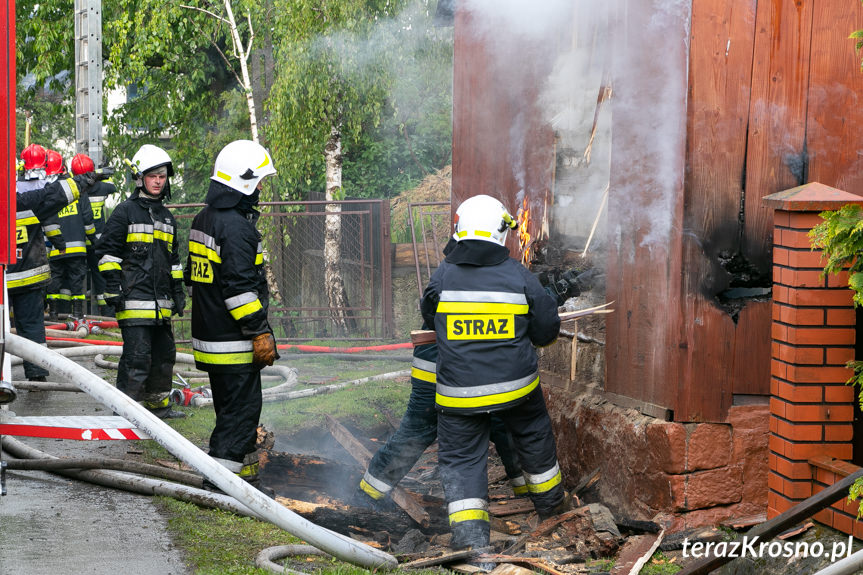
<point x="218" y="542"/>
<point x="659" y="564"/>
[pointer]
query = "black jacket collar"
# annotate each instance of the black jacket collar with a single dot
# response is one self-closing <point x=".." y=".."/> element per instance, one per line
<point x="477" y="253"/>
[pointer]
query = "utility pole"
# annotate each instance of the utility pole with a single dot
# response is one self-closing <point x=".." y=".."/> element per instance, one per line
<point x="88" y="79"/>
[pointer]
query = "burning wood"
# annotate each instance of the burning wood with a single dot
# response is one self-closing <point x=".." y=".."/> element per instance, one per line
<point x="524" y="239"/>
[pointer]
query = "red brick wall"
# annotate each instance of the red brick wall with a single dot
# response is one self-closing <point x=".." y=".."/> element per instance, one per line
<point x="813" y="336"/>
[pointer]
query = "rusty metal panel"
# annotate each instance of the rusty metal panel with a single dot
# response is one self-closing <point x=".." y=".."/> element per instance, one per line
<point x="834" y="125"/>
<point x="645" y="215"/>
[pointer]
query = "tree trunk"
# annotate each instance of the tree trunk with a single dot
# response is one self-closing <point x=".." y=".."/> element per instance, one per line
<point x="337" y="297"/>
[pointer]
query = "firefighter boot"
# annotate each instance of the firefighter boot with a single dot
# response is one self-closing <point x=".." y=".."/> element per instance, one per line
<point x="52" y="310"/>
<point x="562" y="507"/>
<point x="473" y="534"/>
<point x="78" y="309"/>
<point x="162" y="408"/>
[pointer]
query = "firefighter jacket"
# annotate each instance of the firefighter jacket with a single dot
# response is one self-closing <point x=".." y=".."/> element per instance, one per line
<point x="97" y="195"/>
<point x="36" y="210"/>
<point x="488" y="311"/>
<point x="225" y="272"/>
<point x="139" y="259"/>
<point x="76" y="225"/>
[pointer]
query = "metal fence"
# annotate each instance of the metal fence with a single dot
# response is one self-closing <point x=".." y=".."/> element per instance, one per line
<point x="430" y="231"/>
<point x="294" y="234"/>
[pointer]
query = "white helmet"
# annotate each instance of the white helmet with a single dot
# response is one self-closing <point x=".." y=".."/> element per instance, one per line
<point x="149" y="156"/>
<point x="483" y="218"/>
<point x="241" y="165"/>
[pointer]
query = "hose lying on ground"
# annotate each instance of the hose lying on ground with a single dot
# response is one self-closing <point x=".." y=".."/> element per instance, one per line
<point x="265" y="559"/>
<point x="55" y="464"/>
<point x="358" y="349"/>
<point x="338" y="545"/>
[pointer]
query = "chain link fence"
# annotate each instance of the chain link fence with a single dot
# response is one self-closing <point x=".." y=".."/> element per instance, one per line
<point x="294" y="245"/>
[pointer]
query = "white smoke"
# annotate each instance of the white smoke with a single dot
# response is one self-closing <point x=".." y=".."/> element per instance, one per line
<point x="593" y="50"/>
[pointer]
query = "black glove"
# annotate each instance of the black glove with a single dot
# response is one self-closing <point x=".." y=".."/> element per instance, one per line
<point x="113" y="300"/>
<point x="103" y="173"/>
<point x="84" y="181"/>
<point x="179" y="303"/>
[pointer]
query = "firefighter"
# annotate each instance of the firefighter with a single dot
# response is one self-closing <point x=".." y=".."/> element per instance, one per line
<point x="488" y="312"/>
<point x="35" y="160"/>
<point x="26" y="278"/>
<point x="139" y="259"/>
<point x="418" y="430"/>
<point x="231" y="336"/>
<point x="69" y="267"/>
<point x="82" y="164"/>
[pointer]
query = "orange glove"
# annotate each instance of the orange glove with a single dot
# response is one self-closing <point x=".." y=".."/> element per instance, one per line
<point x="264" y="349"/>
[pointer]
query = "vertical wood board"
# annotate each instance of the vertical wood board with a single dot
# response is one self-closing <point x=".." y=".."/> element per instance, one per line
<point x="646" y="200"/>
<point x="834" y="123"/>
<point x="720" y="72"/>
<point x="775" y="158"/>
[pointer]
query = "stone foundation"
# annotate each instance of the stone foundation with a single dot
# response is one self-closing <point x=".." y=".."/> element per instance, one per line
<point x="702" y="473"/>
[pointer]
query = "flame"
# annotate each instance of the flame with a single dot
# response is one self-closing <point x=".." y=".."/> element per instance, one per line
<point x="523" y="234"/>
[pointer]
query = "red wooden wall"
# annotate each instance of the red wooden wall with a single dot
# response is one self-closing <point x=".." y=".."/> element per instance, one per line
<point x="7" y="133"/>
<point x="768" y="100"/>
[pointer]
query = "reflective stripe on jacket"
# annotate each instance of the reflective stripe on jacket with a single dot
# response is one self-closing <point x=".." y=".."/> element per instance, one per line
<point x="139" y="259"/>
<point x="229" y="290"/>
<point x="36" y="210"/>
<point x="487" y="319"/>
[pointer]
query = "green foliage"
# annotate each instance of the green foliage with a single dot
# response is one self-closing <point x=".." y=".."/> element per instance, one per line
<point x="354" y="66"/>
<point x="660" y="565"/>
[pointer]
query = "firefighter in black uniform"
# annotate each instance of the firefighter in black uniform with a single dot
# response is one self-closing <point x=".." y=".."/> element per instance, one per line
<point x="489" y="311"/>
<point x="418" y="430"/>
<point x="81" y="164"/>
<point x="69" y="267"/>
<point x="26" y="278"/>
<point x="139" y="258"/>
<point x="231" y="337"/>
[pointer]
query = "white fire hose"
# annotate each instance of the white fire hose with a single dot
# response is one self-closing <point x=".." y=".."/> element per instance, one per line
<point x="338" y="545"/>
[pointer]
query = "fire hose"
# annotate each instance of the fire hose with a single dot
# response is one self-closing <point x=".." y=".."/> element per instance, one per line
<point x="338" y="545"/>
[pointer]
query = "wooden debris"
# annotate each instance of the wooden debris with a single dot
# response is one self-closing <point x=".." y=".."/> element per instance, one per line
<point x="738" y="523"/>
<point x="543" y="529"/>
<point x="637" y="526"/>
<point x="445" y="558"/>
<point x="642" y="561"/>
<point x="510" y="507"/>
<point x="589" y="481"/>
<point x="634" y="548"/>
<point x="693" y="534"/>
<point x="795" y="531"/>
<point x="510" y="569"/>
<point x="535" y="562"/>
<point x="363" y="456"/>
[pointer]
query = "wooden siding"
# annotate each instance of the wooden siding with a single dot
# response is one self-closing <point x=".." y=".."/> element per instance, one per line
<point x="772" y="92"/>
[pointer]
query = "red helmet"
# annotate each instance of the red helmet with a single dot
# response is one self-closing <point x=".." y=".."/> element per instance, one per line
<point x="81" y="164"/>
<point x="55" y="164"/>
<point x="34" y="157"/>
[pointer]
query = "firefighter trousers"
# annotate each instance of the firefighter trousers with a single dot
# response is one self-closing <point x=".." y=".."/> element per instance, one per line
<point x="418" y="430"/>
<point x="463" y="457"/>
<point x="146" y="365"/>
<point x="67" y="282"/>
<point x="237" y="401"/>
<point x="28" y="307"/>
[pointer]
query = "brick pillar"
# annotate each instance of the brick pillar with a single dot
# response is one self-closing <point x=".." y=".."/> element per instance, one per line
<point x="813" y="333"/>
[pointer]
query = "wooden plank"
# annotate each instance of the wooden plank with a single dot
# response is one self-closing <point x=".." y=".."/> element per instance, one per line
<point x="445" y="558"/>
<point x="359" y="452"/>
<point x="752" y="352"/>
<point x="834" y="125"/>
<point x="720" y="70"/>
<point x="775" y="158"/>
<point x="632" y="551"/>
<point x="645" y="207"/>
<point x="502" y="509"/>
<point x="770" y="529"/>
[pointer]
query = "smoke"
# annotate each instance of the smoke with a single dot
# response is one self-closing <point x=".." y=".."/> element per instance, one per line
<point x="638" y="50"/>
